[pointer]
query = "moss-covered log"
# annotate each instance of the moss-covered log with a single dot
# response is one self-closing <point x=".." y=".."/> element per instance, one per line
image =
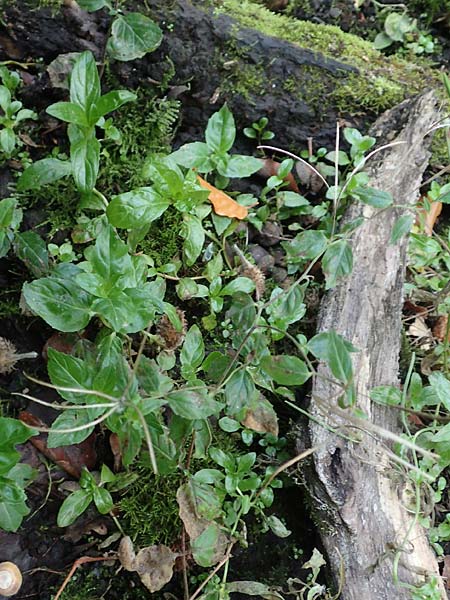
<point x="302" y="76"/>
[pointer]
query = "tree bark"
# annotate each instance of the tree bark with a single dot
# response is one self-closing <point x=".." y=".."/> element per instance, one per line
<point x="359" y="495"/>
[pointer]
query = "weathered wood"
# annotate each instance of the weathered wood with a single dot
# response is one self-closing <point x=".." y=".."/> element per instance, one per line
<point x="358" y="494"/>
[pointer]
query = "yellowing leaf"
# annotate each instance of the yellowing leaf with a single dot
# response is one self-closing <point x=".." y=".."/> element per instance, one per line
<point x="222" y="203"/>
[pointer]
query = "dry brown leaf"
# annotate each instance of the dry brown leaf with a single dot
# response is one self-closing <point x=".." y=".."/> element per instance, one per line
<point x="222" y="203"/>
<point x="440" y="328"/>
<point x="153" y="564"/>
<point x="419" y="329"/>
<point x="261" y="417"/>
<point x="71" y="458"/>
<point x="196" y="525"/>
<point x="428" y="218"/>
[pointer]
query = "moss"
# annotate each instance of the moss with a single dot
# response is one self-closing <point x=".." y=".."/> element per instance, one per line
<point x="381" y="82"/>
<point x="147" y="127"/>
<point x="162" y="241"/>
<point x="149" y="509"/>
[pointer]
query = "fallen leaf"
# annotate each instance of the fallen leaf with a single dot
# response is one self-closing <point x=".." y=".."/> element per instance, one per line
<point x="427" y="218"/>
<point x="440" y="328"/>
<point x="70" y="458"/>
<point x="253" y="588"/>
<point x="116" y="449"/>
<point x="222" y="203"/>
<point x="196" y="526"/>
<point x="261" y="417"/>
<point x="153" y="564"/>
<point x="420" y="330"/>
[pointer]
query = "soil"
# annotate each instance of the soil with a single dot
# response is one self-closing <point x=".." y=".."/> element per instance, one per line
<point x="43" y="551"/>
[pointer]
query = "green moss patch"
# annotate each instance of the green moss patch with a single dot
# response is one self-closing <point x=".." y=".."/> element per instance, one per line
<point x="380" y="83"/>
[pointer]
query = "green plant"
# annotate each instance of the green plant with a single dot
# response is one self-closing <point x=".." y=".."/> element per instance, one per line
<point x="402" y="29"/>
<point x="213" y="154"/>
<point x="13" y="113"/>
<point x="13" y="475"/>
<point x="132" y="35"/>
<point x="258" y="131"/>
<point x="85" y="111"/>
<point x="90" y="491"/>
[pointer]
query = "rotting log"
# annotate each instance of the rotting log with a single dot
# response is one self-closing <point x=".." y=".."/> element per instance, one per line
<point x="214" y="53"/>
<point x="356" y="492"/>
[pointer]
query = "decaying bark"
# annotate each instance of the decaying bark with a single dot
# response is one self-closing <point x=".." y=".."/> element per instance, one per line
<point x="358" y="494"/>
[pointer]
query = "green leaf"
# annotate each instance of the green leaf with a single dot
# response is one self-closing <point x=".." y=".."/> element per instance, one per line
<point x="194" y="238"/>
<point x="308" y="244"/>
<point x="73" y="506"/>
<point x="372" y="196"/>
<point x="7" y="208"/>
<point x="93" y="5"/>
<point x="68" y="371"/>
<point x="13" y="431"/>
<point x="215" y="365"/>
<point x="193" y="405"/>
<point x="43" y="172"/>
<point x="110" y="260"/>
<point x="85" y="160"/>
<point x="229" y="425"/>
<point x="240" y="166"/>
<point x="220" y="131"/>
<point x="69" y="419"/>
<point x="204" y="546"/>
<point x="103" y="500"/>
<point x="402" y="227"/>
<point x="68" y="112"/>
<point x="60" y="302"/>
<point x="337" y="262"/>
<point x="12" y="505"/>
<point x="240" y="284"/>
<point x="32" y="250"/>
<point x="136" y="208"/>
<point x="132" y="36"/>
<point x="386" y="394"/>
<point x="285" y="370"/>
<point x="381" y="41"/>
<point x="109" y="102"/>
<point x="192" y="352"/>
<point x="7" y="140"/>
<point x="193" y="155"/>
<point x="331" y="347"/>
<point x="441" y="386"/>
<point x="278" y="527"/>
<point x="240" y="391"/>
<point x="85" y="83"/>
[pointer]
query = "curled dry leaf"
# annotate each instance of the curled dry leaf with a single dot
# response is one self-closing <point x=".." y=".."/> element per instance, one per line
<point x="440" y="328"/>
<point x="420" y="330"/>
<point x="428" y="218"/>
<point x="170" y="337"/>
<point x="222" y="203"/>
<point x="153" y="564"/>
